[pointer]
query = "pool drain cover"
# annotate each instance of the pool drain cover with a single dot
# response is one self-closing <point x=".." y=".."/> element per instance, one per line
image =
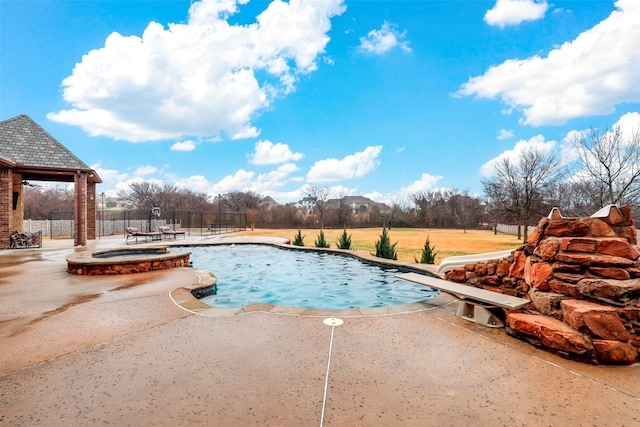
<point x="333" y="321"/>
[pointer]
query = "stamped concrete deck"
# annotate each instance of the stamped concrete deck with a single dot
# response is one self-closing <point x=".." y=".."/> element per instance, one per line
<point x="117" y="350"/>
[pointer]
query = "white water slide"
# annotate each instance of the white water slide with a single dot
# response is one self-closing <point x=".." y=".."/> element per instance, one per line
<point x="452" y="262"/>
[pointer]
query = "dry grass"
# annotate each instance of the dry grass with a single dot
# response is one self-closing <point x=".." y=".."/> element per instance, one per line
<point x="410" y="240"/>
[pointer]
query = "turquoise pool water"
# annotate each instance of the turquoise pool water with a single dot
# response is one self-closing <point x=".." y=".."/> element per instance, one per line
<point x="249" y="274"/>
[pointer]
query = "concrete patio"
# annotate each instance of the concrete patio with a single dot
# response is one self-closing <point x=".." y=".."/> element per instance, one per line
<point x="117" y="350"/>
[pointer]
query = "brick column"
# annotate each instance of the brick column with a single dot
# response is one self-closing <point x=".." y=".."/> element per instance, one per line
<point x="6" y="207"/>
<point x="18" y="212"/>
<point x="80" y="209"/>
<point x="91" y="210"/>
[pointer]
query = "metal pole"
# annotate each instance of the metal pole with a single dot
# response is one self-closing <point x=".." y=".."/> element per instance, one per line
<point x="219" y="211"/>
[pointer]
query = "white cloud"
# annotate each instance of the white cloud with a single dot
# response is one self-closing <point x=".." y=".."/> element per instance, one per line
<point x="197" y="183"/>
<point x="383" y="40"/>
<point x="241" y="181"/>
<point x="536" y="143"/>
<point x="125" y="185"/>
<point x="504" y="134"/>
<point x="184" y="146"/>
<point x="200" y="78"/>
<point x="585" y="77"/>
<point x="145" y="170"/>
<point x="399" y="150"/>
<point x="628" y="123"/>
<point x="425" y="183"/>
<point x="268" y="153"/>
<point x="352" y="166"/>
<point x="274" y="179"/>
<point x="513" y="12"/>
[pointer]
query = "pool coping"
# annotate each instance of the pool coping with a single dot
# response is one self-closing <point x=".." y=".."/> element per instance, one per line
<point x="184" y="297"/>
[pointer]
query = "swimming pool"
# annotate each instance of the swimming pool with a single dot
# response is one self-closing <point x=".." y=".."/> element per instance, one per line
<point x="250" y="274"/>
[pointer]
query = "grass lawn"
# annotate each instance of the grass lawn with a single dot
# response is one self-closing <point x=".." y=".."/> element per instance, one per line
<point x="410" y="240"/>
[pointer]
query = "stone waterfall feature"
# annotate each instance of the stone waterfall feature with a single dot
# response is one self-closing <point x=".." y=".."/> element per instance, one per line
<point x="582" y="276"/>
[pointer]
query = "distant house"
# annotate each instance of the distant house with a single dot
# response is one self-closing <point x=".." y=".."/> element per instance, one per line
<point x="307" y="203"/>
<point x="268" y="201"/>
<point x="359" y="204"/>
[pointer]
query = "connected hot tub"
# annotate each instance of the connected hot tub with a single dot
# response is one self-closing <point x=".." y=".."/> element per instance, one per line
<point x="125" y="260"/>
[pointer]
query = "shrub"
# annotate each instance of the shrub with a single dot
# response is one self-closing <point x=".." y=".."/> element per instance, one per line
<point x="321" y="242"/>
<point x="344" y="241"/>
<point x="384" y="248"/>
<point x="428" y="253"/>
<point x="298" y="239"/>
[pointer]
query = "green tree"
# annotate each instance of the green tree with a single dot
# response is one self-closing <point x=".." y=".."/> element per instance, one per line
<point x="384" y="248"/>
<point x="321" y="242"/>
<point x="344" y="241"/>
<point x="298" y="239"/>
<point x="428" y="253"/>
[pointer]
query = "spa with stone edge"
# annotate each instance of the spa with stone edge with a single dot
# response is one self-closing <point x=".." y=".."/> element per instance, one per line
<point x="582" y="276"/>
<point x="125" y="261"/>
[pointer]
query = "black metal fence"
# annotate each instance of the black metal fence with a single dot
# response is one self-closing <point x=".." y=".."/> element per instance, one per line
<point x="109" y="223"/>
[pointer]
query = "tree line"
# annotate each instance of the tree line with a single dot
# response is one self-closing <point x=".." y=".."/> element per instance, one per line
<point x="522" y="189"/>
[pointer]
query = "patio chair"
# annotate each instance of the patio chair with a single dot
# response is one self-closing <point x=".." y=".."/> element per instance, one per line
<point x="134" y="232"/>
<point x="168" y="231"/>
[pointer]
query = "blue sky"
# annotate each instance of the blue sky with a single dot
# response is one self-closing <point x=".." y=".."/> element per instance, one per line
<point x="376" y="98"/>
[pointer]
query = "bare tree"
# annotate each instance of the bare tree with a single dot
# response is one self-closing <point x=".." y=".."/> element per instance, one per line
<point x="241" y="201"/>
<point x="610" y="163"/>
<point x="39" y="202"/>
<point x="519" y="188"/>
<point x="145" y="195"/>
<point x="320" y="195"/>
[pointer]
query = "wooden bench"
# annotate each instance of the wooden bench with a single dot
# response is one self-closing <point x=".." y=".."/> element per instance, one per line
<point x="477" y="304"/>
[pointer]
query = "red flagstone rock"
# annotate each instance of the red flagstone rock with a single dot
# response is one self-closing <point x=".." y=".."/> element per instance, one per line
<point x="547" y="249"/>
<point x="616" y="216"/>
<point x="611" y="272"/>
<point x="480" y="269"/>
<point x="630" y="233"/>
<point x="490" y="281"/>
<point x="502" y="269"/>
<point x="517" y="268"/>
<point x="616" y="292"/>
<point x="615" y="352"/>
<point x="599" y="320"/>
<point x="538" y="274"/>
<point x="547" y="303"/>
<point x="567" y="268"/>
<point x="552" y="334"/>
<point x="456" y="275"/>
<point x="626" y="213"/>
<point x="568" y="277"/>
<point x="564" y="288"/>
<point x="568" y="228"/>
<point x="599" y="228"/>
<point x="593" y="259"/>
<point x="491" y="267"/>
<point x="618" y="248"/>
<point x="579" y="244"/>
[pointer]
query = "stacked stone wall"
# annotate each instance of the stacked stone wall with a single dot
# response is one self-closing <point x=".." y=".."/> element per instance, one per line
<point x="84" y="269"/>
<point x="582" y="276"/>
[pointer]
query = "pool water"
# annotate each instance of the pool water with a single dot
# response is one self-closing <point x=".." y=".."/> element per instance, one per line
<point x="249" y="274"/>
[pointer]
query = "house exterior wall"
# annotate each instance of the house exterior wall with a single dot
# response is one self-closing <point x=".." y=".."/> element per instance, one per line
<point x="17" y="214"/>
<point x="6" y="206"/>
<point x="80" y="209"/>
<point x="92" y="210"/>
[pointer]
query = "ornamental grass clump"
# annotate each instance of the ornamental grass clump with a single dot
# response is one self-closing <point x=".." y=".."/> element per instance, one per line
<point x="384" y="248"/>
<point x="298" y="239"/>
<point x="428" y="253"/>
<point x="344" y="241"/>
<point x="321" y="242"/>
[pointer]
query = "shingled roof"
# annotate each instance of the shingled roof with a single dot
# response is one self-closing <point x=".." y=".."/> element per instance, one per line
<point x="25" y="143"/>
